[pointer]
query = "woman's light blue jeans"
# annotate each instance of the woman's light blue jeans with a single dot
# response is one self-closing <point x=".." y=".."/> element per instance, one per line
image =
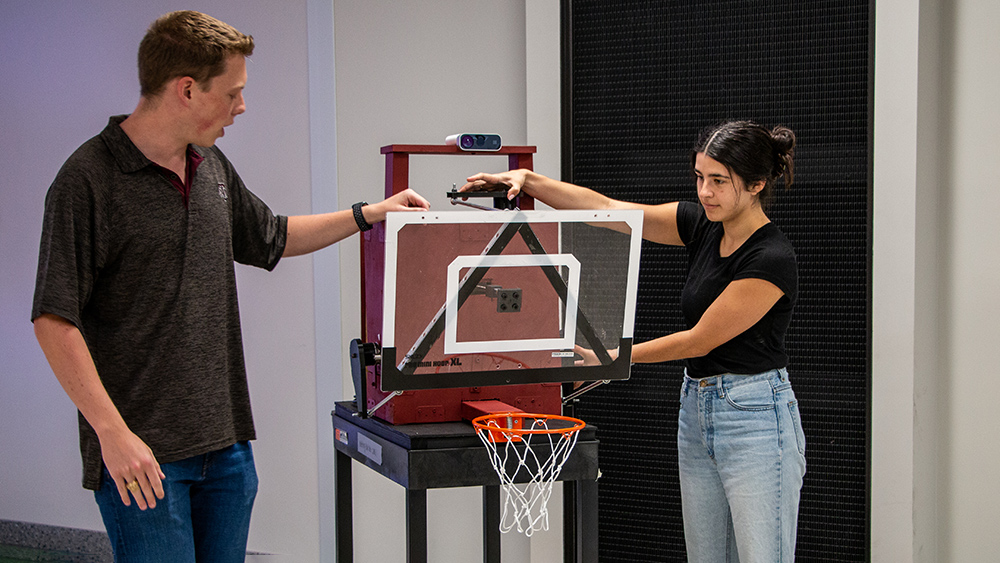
<point x="204" y="515"/>
<point x="741" y="459"/>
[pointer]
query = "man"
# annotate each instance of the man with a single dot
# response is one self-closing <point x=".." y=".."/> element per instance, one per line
<point x="135" y="300"/>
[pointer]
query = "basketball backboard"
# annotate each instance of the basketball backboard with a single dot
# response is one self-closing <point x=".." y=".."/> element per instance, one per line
<point x="483" y="298"/>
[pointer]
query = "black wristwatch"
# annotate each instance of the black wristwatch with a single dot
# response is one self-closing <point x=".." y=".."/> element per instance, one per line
<point x="359" y="217"/>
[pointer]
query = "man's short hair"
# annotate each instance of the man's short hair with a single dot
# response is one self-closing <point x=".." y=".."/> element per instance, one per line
<point x="187" y="43"/>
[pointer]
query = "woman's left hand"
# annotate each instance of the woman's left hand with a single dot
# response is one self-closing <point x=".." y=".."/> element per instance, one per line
<point x="589" y="357"/>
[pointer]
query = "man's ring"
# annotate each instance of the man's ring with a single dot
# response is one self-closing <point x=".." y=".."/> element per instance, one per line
<point x="133" y="486"/>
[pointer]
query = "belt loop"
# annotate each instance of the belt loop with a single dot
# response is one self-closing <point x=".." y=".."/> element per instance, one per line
<point x="718" y="386"/>
<point x="779" y="376"/>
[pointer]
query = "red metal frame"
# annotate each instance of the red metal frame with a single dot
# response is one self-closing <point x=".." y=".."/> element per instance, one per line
<point x="434" y="405"/>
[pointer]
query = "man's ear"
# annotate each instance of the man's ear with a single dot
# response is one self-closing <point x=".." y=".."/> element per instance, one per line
<point x="184" y="87"/>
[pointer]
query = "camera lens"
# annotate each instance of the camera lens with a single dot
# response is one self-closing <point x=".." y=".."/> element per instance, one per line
<point x="480" y="140"/>
<point x="467" y="141"/>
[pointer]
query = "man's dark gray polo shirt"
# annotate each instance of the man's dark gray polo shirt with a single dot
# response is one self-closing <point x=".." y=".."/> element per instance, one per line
<point x="152" y="287"/>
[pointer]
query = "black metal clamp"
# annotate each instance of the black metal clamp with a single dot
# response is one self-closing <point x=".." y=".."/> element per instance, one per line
<point x="363" y="354"/>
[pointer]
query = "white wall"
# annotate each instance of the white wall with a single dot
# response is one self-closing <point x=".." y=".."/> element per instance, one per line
<point x="936" y="282"/>
<point x="931" y="310"/>
<point x="968" y="151"/>
<point x="893" y="280"/>
<point x="414" y="73"/>
<point x="67" y="66"/>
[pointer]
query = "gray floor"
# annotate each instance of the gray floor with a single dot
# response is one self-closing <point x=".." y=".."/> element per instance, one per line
<point x="22" y="541"/>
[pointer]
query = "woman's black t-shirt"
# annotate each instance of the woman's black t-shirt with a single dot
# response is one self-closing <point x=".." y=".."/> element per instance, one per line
<point x="766" y="255"/>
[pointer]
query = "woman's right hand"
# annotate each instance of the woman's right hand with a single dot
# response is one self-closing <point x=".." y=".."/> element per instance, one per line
<point x="512" y="181"/>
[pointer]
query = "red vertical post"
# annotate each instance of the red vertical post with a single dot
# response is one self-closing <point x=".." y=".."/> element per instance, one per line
<point x="397" y="172"/>
<point x="416" y="407"/>
<point x="522" y="160"/>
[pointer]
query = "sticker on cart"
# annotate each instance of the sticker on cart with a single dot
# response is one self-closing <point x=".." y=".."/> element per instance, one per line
<point x="368" y="448"/>
<point x="340" y="435"/>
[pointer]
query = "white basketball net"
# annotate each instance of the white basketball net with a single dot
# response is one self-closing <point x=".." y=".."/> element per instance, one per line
<point x="525" y="503"/>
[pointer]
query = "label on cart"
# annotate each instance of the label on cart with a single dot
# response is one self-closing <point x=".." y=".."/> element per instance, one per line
<point x="341" y="436"/>
<point x="368" y="448"/>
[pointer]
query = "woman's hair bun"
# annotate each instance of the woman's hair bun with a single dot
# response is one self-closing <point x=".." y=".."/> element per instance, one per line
<point x="783" y="140"/>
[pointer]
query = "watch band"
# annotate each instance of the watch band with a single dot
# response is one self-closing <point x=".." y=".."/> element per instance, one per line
<point x="359" y="217"/>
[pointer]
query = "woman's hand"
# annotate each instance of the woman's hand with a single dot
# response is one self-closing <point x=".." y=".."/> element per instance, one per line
<point x="589" y="357"/>
<point x="512" y="181"/>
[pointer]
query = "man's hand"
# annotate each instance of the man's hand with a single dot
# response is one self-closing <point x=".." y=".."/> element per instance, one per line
<point x="127" y="457"/>
<point x="309" y="233"/>
<point x="406" y="200"/>
<point x="133" y="468"/>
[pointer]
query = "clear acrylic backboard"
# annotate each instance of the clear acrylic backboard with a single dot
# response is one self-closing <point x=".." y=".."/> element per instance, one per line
<point x="482" y="298"/>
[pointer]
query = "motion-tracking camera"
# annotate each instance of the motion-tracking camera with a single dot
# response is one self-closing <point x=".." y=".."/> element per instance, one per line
<point x="475" y="141"/>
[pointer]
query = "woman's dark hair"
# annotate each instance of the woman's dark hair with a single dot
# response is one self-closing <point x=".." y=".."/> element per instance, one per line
<point x="751" y="152"/>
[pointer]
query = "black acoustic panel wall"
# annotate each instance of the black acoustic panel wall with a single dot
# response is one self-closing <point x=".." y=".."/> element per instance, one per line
<point x="640" y="80"/>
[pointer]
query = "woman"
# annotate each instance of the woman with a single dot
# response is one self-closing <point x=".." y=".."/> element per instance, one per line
<point x="741" y="450"/>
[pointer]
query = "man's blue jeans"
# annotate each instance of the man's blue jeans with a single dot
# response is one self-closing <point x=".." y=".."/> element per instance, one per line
<point x="741" y="459"/>
<point x="204" y="515"/>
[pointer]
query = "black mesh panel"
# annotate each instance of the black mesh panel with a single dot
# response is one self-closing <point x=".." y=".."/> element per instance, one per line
<point x="640" y="80"/>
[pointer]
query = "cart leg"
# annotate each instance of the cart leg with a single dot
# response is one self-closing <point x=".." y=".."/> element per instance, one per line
<point x="491" y="523"/>
<point x="344" y="512"/>
<point x="416" y="526"/>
